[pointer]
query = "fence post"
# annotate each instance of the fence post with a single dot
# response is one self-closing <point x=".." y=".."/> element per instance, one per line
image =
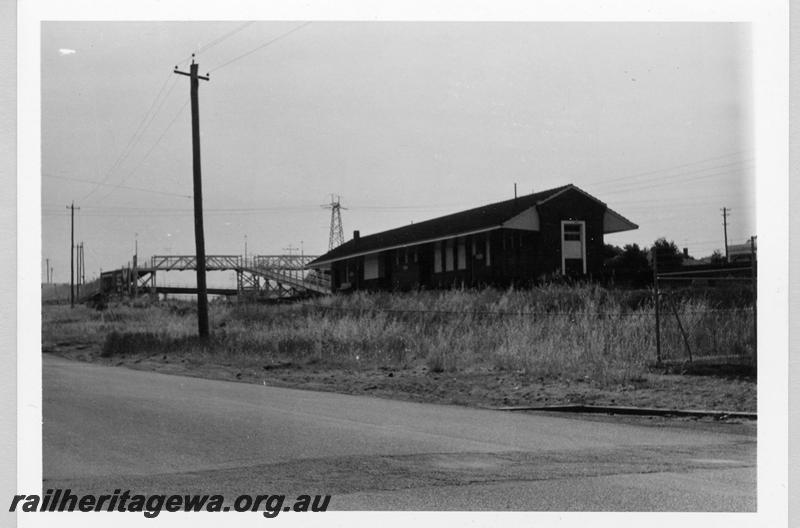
<point x="656" y="302"/>
<point x="680" y="325"/>
<point x="753" y="279"/>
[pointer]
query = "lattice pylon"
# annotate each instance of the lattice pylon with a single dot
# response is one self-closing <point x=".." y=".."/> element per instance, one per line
<point x="336" y="237"/>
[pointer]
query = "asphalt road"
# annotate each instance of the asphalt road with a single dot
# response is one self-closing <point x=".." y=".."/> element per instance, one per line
<point x="107" y="428"/>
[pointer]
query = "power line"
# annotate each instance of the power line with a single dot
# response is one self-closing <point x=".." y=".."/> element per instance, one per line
<point x="667" y="169"/>
<point x="117" y="186"/>
<point x="144" y="211"/>
<point x="152" y="148"/>
<point x="149" y="210"/>
<point x="261" y="46"/>
<point x="693" y="199"/>
<point x="207" y="46"/>
<point x="146" y="121"/>
<point x="667" y="179"/>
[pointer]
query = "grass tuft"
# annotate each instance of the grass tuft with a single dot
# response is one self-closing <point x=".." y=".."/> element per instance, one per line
<point x="582" y="332"/>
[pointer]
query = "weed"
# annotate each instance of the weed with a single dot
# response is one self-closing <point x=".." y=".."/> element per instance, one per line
<point x="580" y="332"/>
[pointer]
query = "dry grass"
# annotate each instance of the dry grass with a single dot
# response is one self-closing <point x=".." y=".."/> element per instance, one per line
<point x="581" y="332"/>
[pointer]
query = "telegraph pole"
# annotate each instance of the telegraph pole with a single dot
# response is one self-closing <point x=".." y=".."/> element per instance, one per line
<point x="82" y="274"/>
<point x="47" y="271"/>
<point x="199" y="241"/>
<point x="71" y="207"/>
<point x="725" y="212"/>
<point x="78" y="273"/>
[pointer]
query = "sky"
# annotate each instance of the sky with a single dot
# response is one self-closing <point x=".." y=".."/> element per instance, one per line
<point x="405" y="121"/>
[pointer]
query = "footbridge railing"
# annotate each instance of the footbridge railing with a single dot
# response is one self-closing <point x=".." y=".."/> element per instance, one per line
<point x="189" y="262"/>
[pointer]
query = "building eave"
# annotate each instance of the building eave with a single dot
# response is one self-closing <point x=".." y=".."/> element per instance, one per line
<point x="322" y="263"/>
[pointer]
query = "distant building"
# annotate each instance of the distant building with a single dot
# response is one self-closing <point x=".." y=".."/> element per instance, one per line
<point x="554" y="232"/>
<point x="742" y="253"/>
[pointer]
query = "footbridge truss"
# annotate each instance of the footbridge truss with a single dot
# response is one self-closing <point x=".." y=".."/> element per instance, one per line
<point x="281" y="275"/>
<point x="263" y="276"/>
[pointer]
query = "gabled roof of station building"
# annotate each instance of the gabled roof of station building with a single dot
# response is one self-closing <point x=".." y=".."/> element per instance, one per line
<point x="479" y="219"/>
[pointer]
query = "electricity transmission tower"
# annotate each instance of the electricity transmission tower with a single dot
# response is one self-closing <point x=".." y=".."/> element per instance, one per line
<point x="337" y="231"/>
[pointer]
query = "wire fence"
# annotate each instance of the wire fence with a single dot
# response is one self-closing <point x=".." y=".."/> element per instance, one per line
<point x="479" y="313"/>
<point x="684" y="336"/>
<point x="689" y="330"/>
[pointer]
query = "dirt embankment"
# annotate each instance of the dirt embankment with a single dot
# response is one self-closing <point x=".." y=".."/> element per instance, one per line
<point x="479" y="388"/>
<point x="552" y="346"/>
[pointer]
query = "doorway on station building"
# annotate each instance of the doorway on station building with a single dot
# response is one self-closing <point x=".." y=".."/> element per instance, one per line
<point x="573" y="247"/>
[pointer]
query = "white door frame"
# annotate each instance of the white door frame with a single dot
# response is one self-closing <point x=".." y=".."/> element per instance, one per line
<point x="581" y="223"/>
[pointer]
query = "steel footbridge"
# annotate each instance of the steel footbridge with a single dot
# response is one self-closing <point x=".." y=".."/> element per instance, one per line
<point x="262" y="276"/>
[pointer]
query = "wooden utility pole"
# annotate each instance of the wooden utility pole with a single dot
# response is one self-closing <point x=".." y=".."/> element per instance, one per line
<point x="199" y="241"/>
<point x="725" y="212"/>
<point x="71" y="207"/>
<point x="47" y="271"/>
<point x="78" y="273"/>
<point x="82" y="274"/>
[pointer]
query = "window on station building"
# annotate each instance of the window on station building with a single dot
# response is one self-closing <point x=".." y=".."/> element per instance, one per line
<point x="572" y="232"/>
<point x="437" y="257"/>
<point x="461" y="262"/>
<point x="448" y="254"/>
<point x="371" y="267"/>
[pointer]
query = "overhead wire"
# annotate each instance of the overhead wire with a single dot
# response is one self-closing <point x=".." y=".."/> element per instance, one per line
<point x="675" y="179"/>
<point x="142" y="189"/>
<point x="138" y="133"/>
<point x="259" y="47"/>
<point x="152" y="148"/>
<point x="238" y="210"/>
<point x="669" y="169"/>
<point x="208" y="45"/>
<point x="149" y="116"/>
<point x="680" y="176"/>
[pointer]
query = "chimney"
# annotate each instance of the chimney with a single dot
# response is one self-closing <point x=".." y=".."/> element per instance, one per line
<point x="356" y="235"/>
<point x="685" y="252"/>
